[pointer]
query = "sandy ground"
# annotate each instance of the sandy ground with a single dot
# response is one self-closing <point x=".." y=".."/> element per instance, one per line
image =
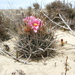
<point x="52" y="66"/>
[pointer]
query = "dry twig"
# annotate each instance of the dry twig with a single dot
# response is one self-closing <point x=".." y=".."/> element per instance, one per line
<point x="66" y="66"/>
<point x="5" y="52"/>
<point x="68" y="26"/>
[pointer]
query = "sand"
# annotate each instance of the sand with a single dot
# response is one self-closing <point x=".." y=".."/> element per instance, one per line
<point x="52" y="66"/>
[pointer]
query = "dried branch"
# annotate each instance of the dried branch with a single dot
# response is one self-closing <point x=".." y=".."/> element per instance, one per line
<point x="22" y="61"/>
<point x="66" y="65"/>
<point x="54" y="22"/>
<point x="68" y="26"/>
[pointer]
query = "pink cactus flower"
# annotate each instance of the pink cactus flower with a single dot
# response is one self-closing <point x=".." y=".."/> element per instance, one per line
<point x="33" y="22"/>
